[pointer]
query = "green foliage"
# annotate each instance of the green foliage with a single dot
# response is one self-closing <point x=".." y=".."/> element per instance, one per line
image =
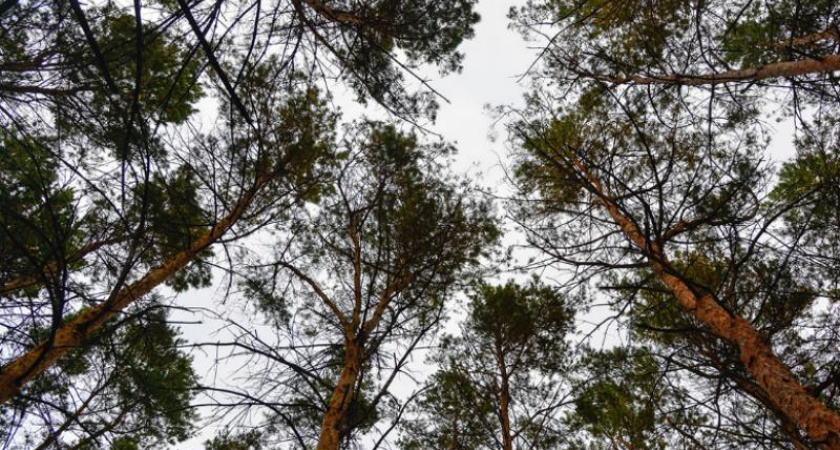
<point x="249" y="440"/>
<point x="125" y="444"/>
<point x="763" y="32"/>
<point x="549" y="170"/>
<point x="426" y="219"/>
<point x="173" y="219"/>
<point x="809" y="184"/>
<point x="427" y="31"/>
<point x="638" y="161"/>
<point x="528" y="321"/>
<point x="158" y="378"/>
<point x="295" y="140"/>
<point x="639" y="29"/>
<point x="453" y="414"/>
<point x="619" y="403"/>
<point x="767" y="292"/>
<point x="513" y="336"/>
<point x="166" y="88"/>
<point x="38" y="223"/>
<point x="101" y="98"/>
<point x="303" y="137"/>
<point x="673" y="44"/>
<point x="139" y="381"/>
<point x="412" y="219"/>
<point x="393" y="237"/>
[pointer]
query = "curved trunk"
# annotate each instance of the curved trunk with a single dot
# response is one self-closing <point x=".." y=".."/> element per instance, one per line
<point x="342" y="397"/>
<point x="784" y="391"/>
<point x="73" y="334"/>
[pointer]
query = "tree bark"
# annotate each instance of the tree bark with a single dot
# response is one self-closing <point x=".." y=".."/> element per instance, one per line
<point x="504" y="415"/>
<point x="342" y="397"/>
<point x="826" y="64"/>
<point x="504" y="395"/>
<point x="775" y="379"/>
<point x="830" y="33"/>
<point x="73" y="334"/>
<point x="328" y="12"/>
<point x="749" y="387"/>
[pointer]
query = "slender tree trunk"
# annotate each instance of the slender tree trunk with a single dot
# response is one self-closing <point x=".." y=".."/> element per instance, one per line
<point x="504" y="397"/>
<point x="781" y="387"/>
<point x="826" y="64"/>
<point x="328" y="12"/>
<point x="73" y="334"/>
<point x="342" y="396"/>
<point x="453" y="444"/>
<point x="504" y="415"/>
<point x="830" y="33"/>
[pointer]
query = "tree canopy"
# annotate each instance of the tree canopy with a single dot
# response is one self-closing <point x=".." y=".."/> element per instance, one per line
<point x="660" y="270"/>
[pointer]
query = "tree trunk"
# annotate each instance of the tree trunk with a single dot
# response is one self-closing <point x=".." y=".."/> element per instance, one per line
<point x="789" y="397"/>
<point x="504" y="398"/>
<point x="73" y="334"/>
<point x="790" y="429"/>
<point x="342" y="396"/>
<point x="504" y="415"/>
<point x="826" y="64"/>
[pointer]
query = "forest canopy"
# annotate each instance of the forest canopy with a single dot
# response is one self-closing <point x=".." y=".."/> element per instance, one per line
<point x="202" y="249"/>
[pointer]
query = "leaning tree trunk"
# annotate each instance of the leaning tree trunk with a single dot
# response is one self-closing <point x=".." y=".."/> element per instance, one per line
<point x="821" y="424"/>
<point x="809" y="66"/>
<point x="342" y="396"/>
<point x="75" y="333"/>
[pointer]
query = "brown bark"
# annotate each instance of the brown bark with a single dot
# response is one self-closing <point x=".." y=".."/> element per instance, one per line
<point x="826" y="64"/>
<point x="73" y="334"/>
<point x="504" y="415"/>
<point x="355" y="332"/>
<point x="831" y="33"/>
<point x="328" y="12"/>
<point x="775" y="379"/>
<point x="790" y="429"/>
<point x="504" y="398"/>
<point x="342" y="397"/>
